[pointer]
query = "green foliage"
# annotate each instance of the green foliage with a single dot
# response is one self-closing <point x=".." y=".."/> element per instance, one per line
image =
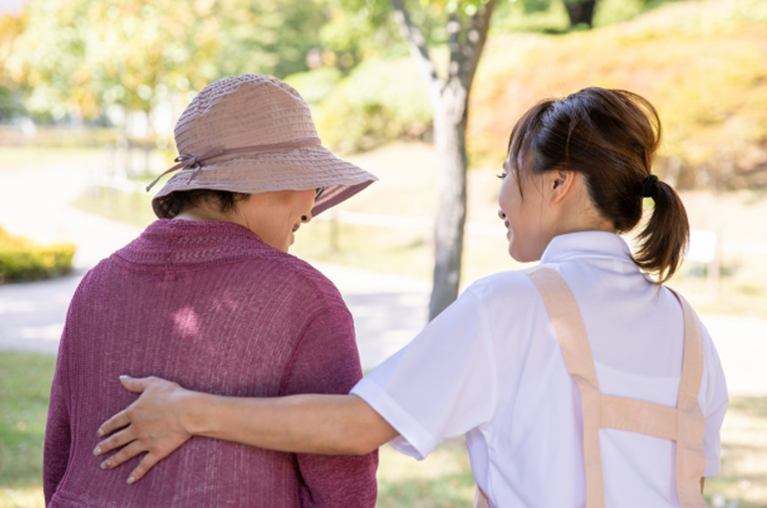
<point x="10" y="105"/>
<point x="80" y="56"/>
<point x="357" y="30"/>
<point x="314" y="86"/>
<point x="23" y="260"/>
<point x="381" y="100"/>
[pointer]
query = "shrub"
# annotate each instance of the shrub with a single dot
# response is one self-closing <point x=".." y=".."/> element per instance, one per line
<point x="315" y="85"/>
<point x="381" y="100"/>
<point x="24" y="260"/>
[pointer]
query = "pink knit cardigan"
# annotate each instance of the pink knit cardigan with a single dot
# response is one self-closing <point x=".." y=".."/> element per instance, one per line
<point x="212" y="307"/>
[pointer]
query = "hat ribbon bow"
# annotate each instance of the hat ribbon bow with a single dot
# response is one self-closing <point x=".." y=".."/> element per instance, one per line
<point x="193" y="162"/>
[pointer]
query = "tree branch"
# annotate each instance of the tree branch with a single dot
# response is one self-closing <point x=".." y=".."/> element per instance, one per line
<point x="475" y="42"/>
<point x="418" y="49"/>
<point x="454" y="43"/>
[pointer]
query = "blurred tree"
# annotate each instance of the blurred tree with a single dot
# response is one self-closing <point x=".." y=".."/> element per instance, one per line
<point x="580" y="12"/>
<point x="466" y="26"/>
<point x="358" y="30"/>
<point x="80" y="56"/>
<point x="10" y="28"/>
<point x="10" y="105"/>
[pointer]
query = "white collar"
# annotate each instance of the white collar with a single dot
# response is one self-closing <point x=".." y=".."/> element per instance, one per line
<point x="587" y="244"/>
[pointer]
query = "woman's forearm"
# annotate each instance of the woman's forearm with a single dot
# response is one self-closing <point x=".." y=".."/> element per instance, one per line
<point x="166" y="415"/>
<point x="326" y="424"/>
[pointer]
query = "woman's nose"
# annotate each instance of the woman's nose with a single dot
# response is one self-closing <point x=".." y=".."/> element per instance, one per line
<point x="501" y="214"/>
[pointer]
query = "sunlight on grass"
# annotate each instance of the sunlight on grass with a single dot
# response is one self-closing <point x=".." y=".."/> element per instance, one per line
<point x="443" y="479"/>
<point x="30" y="497"/>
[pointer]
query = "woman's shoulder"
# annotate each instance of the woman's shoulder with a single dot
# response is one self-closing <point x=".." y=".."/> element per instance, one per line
<point x="514" y="285"/>
<point x="301" y="277"/>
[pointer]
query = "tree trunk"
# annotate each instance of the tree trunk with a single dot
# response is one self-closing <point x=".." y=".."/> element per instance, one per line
<point x="450" y="116"/>
<point x="581" y="12"/>
<point x="449" y="100"/>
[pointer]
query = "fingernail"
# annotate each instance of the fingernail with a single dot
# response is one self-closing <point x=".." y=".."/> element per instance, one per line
<point x="123" y="377"/>
<point x="105" y="464"/>
<point x="130" y="480"/>
<point x="97" y="450"/>
<point x="100" y="433"/>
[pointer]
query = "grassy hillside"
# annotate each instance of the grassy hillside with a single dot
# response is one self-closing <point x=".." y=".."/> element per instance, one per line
<point x="702" y="63"/>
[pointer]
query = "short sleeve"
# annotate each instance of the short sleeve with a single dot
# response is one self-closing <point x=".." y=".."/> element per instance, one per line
<point x="716" y="401"/>
<point x="442" y="384"/>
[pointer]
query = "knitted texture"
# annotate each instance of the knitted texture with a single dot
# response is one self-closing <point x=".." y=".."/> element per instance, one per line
<point x="209" y="306"/>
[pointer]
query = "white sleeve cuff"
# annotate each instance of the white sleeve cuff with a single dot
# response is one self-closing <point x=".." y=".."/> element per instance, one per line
<point x="712" y="468"/>
<point x="414" y="439"/>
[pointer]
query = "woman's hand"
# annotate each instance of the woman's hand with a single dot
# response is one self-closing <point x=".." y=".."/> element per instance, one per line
<point x="152" y="424"/>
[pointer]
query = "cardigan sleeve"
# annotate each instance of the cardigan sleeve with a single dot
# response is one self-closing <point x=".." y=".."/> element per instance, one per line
<point x="326" y="360"/>
<point x="58" y="439"/>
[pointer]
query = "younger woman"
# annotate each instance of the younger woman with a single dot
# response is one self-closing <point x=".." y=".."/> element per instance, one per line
<point x="583" y="382"/>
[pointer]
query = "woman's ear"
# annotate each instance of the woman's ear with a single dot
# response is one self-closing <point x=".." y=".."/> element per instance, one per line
<point x="560" y="184"/>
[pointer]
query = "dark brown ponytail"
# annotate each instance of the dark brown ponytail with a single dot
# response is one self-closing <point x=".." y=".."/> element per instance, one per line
<point x="664" y="239"/>
<point x="609" y="136"/>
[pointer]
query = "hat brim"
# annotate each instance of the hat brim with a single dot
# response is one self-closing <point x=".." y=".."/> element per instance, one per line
<point x="300" y="169"/>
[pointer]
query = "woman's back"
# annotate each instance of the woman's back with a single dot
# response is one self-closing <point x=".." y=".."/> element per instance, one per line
<point x="501" y="378"/>
<point x="209" y="306"/>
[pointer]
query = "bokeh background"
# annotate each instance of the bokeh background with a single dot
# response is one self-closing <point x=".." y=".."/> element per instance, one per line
<point x="90" y="90"/>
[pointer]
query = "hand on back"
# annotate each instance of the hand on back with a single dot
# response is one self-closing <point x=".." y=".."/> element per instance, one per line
<point x="151" y="425"/>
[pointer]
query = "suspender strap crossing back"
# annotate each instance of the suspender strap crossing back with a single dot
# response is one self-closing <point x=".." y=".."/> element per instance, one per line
<point x="684" y="424"/>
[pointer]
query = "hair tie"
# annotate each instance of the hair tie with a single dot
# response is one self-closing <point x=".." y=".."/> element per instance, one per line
<point x="649" y="185"/>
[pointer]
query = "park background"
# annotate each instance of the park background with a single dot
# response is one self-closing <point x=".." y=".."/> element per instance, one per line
<point x="90" y="89"/>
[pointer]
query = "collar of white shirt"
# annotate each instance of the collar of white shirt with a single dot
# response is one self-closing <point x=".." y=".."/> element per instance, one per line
<point x="587" y="244"/>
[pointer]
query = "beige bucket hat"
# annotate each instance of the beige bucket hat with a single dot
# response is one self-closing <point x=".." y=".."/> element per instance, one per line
<point x="253" y="134"/>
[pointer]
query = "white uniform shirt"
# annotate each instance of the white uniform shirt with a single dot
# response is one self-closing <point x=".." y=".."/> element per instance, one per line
<point x="490" y="367"/>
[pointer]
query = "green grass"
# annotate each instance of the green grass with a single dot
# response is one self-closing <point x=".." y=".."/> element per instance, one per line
<point x="13" y="157"/>
<point x="25" y="383"/>
<point x="442" y="480"/>
<point x="127" y="207"/>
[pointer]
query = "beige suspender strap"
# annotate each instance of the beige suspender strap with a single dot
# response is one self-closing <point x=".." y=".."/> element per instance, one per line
<point x="684" y="424"/>
<point x="690" y="455"/>
<point x="568" y="324"/>
<point x="639" y="416"/>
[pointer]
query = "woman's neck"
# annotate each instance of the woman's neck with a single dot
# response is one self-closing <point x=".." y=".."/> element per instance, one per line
<point x="206" y="214"/>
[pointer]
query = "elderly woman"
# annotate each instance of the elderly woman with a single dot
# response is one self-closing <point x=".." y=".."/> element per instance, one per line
<point x="209" y="297"/>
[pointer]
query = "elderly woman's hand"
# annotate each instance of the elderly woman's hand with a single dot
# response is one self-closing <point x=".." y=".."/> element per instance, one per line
<point x="152" y="424"/>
